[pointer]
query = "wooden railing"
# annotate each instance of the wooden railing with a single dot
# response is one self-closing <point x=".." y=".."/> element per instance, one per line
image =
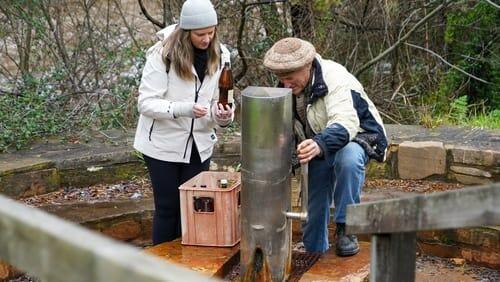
<point x="52" y="249"/>
<point x="393" y="224"/>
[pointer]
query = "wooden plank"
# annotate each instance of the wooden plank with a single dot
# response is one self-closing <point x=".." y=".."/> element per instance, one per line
<point x="393" y="257"/>
<point x="467" y="207"/>
<point x="52" y="249"/>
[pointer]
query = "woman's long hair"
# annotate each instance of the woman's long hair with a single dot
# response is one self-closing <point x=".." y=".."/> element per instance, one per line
<point x="178" y="49"/>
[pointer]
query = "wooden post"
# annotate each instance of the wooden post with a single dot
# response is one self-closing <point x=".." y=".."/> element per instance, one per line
<point x="393" y="257"/>
<point x="394" y="224"/>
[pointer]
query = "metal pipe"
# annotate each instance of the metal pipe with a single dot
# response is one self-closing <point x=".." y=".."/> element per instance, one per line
<point x="266" y="148"/>
<point x="304" y="196"/>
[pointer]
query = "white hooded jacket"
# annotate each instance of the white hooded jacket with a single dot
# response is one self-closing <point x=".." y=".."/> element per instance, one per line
<point x="160" y="134"/>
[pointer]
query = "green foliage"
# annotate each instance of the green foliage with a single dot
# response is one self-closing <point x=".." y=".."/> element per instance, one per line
<point x="472" y="37"/>
<point x="490" y="120"/>
<point x="120" y="112"/>
<point x="40" y="110"/>
<point x="325" y="5"/>
<point x="458" y="110"/>
<point x="460" y="113"/>
<point x="30" y="114"/>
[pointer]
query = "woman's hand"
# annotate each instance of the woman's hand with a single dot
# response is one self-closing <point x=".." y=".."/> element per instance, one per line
<point x="199" y="110"/>
<point x="307" y="150"/>
<point x="223" y="112"/>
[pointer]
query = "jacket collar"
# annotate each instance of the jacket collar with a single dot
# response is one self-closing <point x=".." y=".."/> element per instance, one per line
<point x="318" y="88"/>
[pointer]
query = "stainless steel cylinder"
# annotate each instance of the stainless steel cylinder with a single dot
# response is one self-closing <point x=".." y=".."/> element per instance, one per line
<point x="266" y="140"/>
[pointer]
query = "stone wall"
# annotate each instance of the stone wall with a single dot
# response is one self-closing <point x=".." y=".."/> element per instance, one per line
<point x="435" y="160"/>
<point x="459" y="155"/>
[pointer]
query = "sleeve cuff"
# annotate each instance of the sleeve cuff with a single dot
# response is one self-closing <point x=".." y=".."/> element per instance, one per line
<point x="183" y="109"/>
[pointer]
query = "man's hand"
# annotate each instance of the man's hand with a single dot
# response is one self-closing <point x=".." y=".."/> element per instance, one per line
<point x="307" y="150"/>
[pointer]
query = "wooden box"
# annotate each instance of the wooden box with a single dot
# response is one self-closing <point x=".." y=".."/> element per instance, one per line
<point x="210" y="215"/>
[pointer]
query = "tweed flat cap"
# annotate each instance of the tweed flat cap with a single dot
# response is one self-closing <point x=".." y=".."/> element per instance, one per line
<point x="289" y="54"/>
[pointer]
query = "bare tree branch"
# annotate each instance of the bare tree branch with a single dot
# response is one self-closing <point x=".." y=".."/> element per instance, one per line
<point x="5" y="92"/>
<point x="494" y="5"/>
<point x="129" y="29"/>
<point x="241" y="53"/>
<point x="59" y="42"/>
<point x="241" y="28"/>
<point x="447" y="63"/>
<point x="401" y="40"/>
<point x="148" y="16"/>
<point x="167" y="13"/>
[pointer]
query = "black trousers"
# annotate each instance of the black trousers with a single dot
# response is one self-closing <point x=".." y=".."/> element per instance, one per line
<point x="166" y="177"/>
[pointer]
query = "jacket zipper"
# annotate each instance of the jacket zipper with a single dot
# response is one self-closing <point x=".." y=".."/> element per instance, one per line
<point x="196" y="91"/>
<point x="151" y="129"/>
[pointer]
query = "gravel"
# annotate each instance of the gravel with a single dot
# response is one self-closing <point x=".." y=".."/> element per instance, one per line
<point x="443" y="269"/>
<point x="413" y="186"/>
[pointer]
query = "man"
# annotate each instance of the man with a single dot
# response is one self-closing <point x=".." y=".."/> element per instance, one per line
<point x="337" y="129"/>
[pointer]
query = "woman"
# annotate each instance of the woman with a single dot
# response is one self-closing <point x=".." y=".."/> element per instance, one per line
<point x="178" y="109"/>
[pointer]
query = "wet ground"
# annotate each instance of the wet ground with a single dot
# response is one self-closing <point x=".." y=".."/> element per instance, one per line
<point x="429" y="268"/>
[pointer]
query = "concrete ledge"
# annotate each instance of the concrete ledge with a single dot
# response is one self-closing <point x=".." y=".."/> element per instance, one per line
<point x="123" y="220"/>
<point x="480" y="246"/>
<point x="47" y="167"/>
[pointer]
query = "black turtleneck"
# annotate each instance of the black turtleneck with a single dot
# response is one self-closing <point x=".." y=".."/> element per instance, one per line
<point x="200" y="62"/>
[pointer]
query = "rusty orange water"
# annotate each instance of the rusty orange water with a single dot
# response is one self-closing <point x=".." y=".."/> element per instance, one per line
<point x="258" y="270"/>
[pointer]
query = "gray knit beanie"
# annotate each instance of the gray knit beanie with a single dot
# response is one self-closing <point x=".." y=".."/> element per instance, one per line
<point x="197" y="14"/>
<point x="289" y="54"/>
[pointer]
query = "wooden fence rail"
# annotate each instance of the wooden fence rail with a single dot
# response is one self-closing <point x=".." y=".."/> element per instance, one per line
<point x="394" y="224"/>
<point x="52" y="249"/>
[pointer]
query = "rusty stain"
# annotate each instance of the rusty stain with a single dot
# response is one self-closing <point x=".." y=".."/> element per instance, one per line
<point x="331" y="267"/>
<point x="258" y="270"/>
<point x="300" y="264"/>
<point x="208" y="260"/>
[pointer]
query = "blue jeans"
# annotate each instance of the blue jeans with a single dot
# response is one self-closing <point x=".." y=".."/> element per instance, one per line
<point x="340" y="177"/>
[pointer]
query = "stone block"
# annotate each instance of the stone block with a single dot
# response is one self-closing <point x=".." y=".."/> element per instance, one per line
<point x="30" y="183"/>
<point x="418" y="160"/>
<point x="90" y="175"/>
<point x="485" y="237"/>
<point x="482" y="257"/>
<point x="472" y="156"/>
<point x="476" y="238"/>
<point x="479" y="245"/>
<point x="7" y="271"/>
<point x="469" y="179"/>
<point x="10" y="164"/>
<point x="124" y="231"/>
<point x="470" y="171"/>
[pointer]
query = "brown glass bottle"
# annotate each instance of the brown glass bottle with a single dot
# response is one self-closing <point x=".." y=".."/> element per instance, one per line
<point x="226" y="86"/>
